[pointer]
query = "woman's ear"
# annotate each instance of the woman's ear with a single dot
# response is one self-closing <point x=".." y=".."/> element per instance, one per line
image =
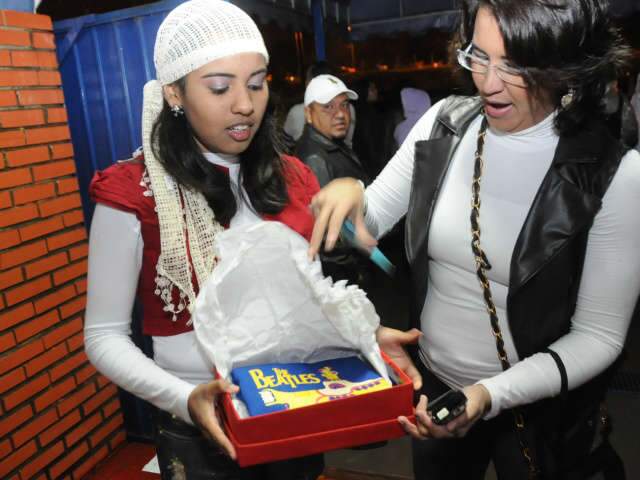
<point x="307" y="114"/>
<point x="172" y="94"/>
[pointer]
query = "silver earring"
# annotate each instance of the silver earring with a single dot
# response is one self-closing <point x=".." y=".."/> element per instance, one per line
<point x="177" y="110"/>
<point x="567" y="98"/>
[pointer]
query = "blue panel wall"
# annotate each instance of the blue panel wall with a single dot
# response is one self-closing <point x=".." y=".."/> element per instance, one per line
<point x="105" y="61"/>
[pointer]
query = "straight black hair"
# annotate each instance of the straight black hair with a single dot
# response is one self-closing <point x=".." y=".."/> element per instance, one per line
<point x="562" y="45"/>
<point x="261" y="167"/>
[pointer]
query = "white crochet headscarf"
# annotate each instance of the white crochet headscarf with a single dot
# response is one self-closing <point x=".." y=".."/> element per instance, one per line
<point x="193" y="34"/>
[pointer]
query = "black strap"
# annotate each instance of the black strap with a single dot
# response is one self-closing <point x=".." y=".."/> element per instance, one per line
<point x="564" y="382"/>
<point x="482" y="265"/>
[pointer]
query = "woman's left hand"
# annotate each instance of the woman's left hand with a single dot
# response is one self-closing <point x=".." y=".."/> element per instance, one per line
<point x="392" y="342"/>
<point x="478" y="403"/>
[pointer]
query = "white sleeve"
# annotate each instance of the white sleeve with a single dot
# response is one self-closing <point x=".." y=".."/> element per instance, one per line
<point x="607" y="295"/>
<point x="387" y="197"/>
<point x="115" y="258"/>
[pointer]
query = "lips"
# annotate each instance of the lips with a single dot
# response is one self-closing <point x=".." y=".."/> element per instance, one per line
<point x="240" y="132"/>
<point x="497" y="109"/>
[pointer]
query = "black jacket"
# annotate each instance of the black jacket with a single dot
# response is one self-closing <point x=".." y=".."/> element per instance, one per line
<point x="329" y="159"/>
<point x="547" y="260"/>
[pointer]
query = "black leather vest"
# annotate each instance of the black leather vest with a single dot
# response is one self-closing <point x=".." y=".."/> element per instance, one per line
<point x="547" y="260"/>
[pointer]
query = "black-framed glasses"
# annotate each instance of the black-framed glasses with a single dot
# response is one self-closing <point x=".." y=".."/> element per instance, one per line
<point x="476" y="64"/>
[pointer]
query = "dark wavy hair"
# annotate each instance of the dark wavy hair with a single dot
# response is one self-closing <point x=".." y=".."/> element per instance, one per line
<point x="562" y="45"/>
<point x="261" y="168"/>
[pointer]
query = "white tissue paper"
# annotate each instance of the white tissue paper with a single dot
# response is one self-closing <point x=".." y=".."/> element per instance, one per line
<point x="266" y="302"/>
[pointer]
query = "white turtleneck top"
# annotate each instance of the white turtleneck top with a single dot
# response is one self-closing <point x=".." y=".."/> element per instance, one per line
<point x="178" y="365"/>
<point x="458" y="345"/>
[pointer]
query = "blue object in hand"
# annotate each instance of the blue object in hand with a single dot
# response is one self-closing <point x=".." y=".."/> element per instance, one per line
<point x="348" y="234"/>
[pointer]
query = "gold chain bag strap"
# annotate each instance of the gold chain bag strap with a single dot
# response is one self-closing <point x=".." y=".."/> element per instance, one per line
<point x="482" y="265"/>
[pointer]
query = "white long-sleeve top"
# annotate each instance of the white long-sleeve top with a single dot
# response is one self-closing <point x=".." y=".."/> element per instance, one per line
<point x="115" y="260"/>
<point x="458" y="344"/>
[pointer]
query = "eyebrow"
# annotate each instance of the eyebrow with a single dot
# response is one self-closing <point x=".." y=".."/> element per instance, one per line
<point x="230" y="75"/>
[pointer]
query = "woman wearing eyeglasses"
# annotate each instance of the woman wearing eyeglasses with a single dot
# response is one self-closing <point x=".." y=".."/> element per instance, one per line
<point x="523" y="248"/>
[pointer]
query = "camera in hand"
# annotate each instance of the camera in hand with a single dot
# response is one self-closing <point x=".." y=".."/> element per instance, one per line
<point x="447" y="407"/>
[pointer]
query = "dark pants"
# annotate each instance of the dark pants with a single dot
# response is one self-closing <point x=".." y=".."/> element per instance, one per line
<point x="494" y="440"/>
<point x="185" y="454"/>
<point x="467" y="458"/>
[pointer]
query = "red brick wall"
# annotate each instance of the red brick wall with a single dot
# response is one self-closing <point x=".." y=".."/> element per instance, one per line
<point x="58" y="416"/>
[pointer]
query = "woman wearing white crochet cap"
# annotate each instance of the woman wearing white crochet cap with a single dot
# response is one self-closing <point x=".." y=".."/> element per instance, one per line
<point x="212" y="158"/>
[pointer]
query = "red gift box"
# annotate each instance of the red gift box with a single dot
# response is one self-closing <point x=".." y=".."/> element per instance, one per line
<point x="319" y="428"/>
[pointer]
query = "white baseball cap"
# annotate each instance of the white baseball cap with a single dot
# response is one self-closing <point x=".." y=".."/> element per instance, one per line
<point x="324" y="88"/>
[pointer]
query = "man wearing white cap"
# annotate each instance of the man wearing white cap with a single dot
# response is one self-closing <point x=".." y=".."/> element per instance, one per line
<point x="295" y="121"/>
<point x="328" y="116"/>
<point x="323" y="149"/>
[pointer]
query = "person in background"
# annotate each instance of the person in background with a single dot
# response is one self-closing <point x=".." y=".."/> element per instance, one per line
<point x="369" y="134"/>
<point x="523" y="250"/>
<point x="295" y="120"/>
<point x="212" y="159"/>
<point x="415" y="103"/>
<point x="393" y="115"/>
<point x="322" y="148"/>
<point x="619" y="115"/>
<point x="635" y="105"/>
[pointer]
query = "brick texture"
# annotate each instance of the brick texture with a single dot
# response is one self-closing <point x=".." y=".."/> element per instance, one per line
<point x="58" y="416"/>
<point x="5" y="58"/>
<point x="12" y="138"/>
<point x="40" y="96"/>
<point x="7" y="97"/>
<point x="14" y="37"/>
<point x="43" y="40"/>
<point x="21" y="118"/>
<point x="27" y="156"/>
<point x="5" y="200"/>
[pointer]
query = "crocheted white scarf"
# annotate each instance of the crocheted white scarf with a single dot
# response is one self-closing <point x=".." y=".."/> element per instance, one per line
<point x="187" y="224"/>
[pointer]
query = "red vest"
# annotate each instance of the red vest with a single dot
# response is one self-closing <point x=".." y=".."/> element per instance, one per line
<point x="121" y="186"/>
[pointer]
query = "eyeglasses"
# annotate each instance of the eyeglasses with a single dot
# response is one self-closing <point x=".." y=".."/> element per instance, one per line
<point x="332" y="108"/>
<point x="473" y="63"/>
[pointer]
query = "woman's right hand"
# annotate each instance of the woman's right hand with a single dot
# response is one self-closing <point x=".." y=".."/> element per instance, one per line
<point x="339" y="199"/>
<point x="201" y="404"/>
<point x="478" y="404"/>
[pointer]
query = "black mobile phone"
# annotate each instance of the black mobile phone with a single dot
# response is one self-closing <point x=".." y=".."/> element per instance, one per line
<point x="447" y="406"/>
